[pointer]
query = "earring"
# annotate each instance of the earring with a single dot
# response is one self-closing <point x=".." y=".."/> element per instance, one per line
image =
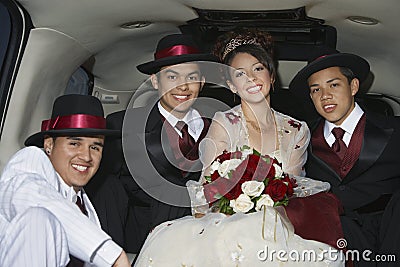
<point x="48" y="151"/>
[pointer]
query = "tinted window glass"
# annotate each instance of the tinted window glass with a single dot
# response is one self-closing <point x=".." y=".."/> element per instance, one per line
<point x="15" y="25"/>
<point x="5" y="29"/>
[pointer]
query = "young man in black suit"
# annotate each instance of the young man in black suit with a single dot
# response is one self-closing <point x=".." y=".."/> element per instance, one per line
<point x="352" y="149"/>
<point x="145" y="185"/>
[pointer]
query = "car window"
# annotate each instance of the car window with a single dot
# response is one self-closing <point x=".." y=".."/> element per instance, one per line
<point x="81" y="82"/>
<point x="5" y="29"/>
<point x="14" y="29"/>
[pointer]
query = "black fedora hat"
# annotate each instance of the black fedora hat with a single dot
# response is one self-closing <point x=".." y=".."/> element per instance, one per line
<point x="174" y="49"/>
<point x="73" y="115"/>
<point x="326" y="58"/>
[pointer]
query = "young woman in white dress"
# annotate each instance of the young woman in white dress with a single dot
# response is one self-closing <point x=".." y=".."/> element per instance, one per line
<point x="260" y="238"/>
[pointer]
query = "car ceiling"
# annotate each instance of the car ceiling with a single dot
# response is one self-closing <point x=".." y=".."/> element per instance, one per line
<point x="88" y="32"/>
<point x="95" y="24"/>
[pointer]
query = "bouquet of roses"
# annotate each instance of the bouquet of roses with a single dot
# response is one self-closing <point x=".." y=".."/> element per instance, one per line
<point x="244" y="181"/>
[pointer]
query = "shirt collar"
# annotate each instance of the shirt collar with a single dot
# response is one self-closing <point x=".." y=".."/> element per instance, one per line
<point x="192" y="118"/>
<point x="67" y="191"/>
<point x="349" y="124"/>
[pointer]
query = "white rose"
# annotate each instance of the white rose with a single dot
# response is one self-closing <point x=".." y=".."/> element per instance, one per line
<point x="246" y="152"/>
<point x="253" y="188"/>
<point x="265" y="200"/>
<point x="214" y="166"/>
<point x="227" y="166"/>
<point x="242" y="204"/>
<point x="278" y="170"/>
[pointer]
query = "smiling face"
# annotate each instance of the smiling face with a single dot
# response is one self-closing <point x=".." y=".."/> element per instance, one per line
<point x="178" y="86"/>
<point x="332" y="95"/>
<point x="76" y="159"/>
<point x="249" y="78"/>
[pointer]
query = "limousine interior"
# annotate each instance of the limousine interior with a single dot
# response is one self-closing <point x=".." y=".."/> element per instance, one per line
<point x="52" y="47"/>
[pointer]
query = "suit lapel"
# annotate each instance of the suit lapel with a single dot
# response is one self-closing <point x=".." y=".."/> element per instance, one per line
<point x="331" y="176"/>
<point x="153" y="136"/>
<point x="374" y="142"/>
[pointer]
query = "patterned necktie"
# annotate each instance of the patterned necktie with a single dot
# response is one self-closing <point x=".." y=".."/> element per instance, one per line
<point x="339" y="146"/>
<point x="186" y="142"/>
<point x="75" y="262"/>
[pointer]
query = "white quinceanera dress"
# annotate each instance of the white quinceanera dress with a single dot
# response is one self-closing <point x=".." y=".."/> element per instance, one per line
<point x="264" y="238"/>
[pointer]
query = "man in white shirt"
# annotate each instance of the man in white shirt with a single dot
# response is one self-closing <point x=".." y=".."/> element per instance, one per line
<point x="46" y="218"/>
<point x="354" y="150"/>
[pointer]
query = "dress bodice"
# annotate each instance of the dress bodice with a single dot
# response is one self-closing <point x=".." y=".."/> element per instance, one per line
<point x="229" y="131"/>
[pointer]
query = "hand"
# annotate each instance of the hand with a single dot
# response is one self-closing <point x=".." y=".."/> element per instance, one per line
<point x="122" y="260"/>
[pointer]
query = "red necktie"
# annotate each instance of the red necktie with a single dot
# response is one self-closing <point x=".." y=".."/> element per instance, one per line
<point x="339" y="146"/>
<point x="75" y="262"/>
<point x="81" y="205"/>
<point x="186" y="142"/>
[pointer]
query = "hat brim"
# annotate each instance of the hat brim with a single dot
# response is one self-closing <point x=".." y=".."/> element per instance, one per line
<point x="153" y="67"/>
<point x="38" y="138"/>
<point x="359" y="66"/>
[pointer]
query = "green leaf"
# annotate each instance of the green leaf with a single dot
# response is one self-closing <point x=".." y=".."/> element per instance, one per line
<point x="218" y="196"/>
<point x="283" y="202"/>
<point x="224" y="206"/>
<point x="255" y="152"/>
<point x="267" y="159"/>
<point x="208" y="178"/>
<point x="245" y="147"/>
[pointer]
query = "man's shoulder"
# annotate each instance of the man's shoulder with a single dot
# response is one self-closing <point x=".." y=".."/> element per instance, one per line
<point x="116" y="119"/>
<point x="383" y="121"/>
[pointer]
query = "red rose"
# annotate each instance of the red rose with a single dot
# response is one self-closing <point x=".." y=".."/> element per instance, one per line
<point x="224" y="156"/>
<point x="239" y="176"/>
<point x="235" y="191"/>
<point x="262" y="170"/>
<point x="237" y="154"/>
<point x="240" y="171"/>
<point x="220" y="186"/>
<point x="229" y="155"/>
<point x="210" y="191"/>
<point x="271" y="173"/>
<point x="276" y="189"/>
<point x="252" y="163"/>
<point x="214" y="176"/>
<point x="290" y="185"/>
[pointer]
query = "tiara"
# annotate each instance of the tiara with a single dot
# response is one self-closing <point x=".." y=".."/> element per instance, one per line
<point x="236" y="42"/>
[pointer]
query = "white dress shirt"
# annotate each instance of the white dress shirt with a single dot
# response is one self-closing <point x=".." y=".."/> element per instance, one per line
<point x="192" y="119"/>
<point x="29" y="180"/>
<point x="348" y="125"/>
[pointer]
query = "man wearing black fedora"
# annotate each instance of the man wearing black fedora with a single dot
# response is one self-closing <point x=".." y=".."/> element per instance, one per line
<point x="354" y="150"/>
<point x="146" y="184"/>
<point x="46" y="218"/>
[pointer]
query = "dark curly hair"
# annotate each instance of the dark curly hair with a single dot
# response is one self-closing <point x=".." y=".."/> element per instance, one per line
<point x="258" y="43"/>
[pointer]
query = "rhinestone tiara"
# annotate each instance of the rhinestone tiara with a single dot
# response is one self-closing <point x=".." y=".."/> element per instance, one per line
<point x="236" y="42"/>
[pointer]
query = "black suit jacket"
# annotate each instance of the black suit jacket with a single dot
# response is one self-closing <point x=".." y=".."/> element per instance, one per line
<point x="374" y="176"/>
<point x="133" y="178"/>
<point x="377" y="170"/>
